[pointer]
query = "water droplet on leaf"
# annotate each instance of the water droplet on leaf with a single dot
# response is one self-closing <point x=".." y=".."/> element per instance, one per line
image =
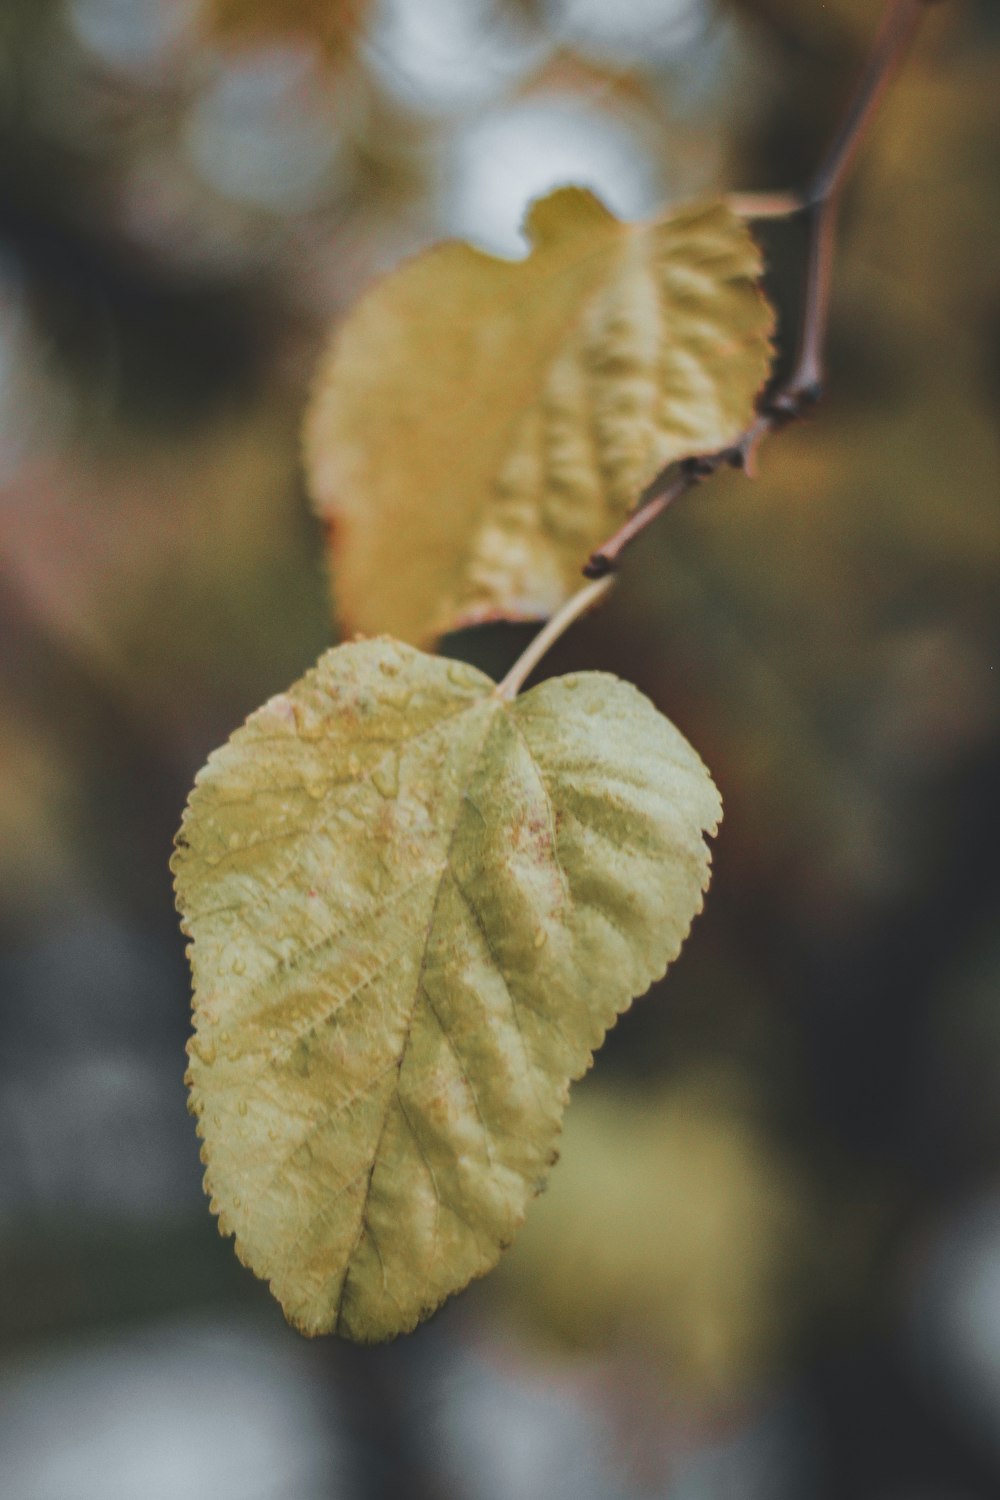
<point x="462" y="675"/>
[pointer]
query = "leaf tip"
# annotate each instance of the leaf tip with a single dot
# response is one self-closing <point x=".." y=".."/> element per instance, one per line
<point x="566" y="211"/>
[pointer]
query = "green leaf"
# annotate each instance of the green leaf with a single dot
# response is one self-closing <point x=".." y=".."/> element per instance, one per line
<point x="416" y="909"/>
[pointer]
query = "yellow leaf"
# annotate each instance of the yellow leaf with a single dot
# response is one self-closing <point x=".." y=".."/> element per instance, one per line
<point x="675" y="1223"/>
<point x="416" y="909"/>
<point x="331" y="25"/>
<point x="479" y="426"/>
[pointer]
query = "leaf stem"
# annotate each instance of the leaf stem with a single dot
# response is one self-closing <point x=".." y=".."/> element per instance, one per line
<point x="818" y="206"/>
<point x="583" y="600"/>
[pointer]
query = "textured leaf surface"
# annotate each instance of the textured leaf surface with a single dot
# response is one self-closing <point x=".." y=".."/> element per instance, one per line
<point x="415" y="911"/>
<point x="479" y="426"/>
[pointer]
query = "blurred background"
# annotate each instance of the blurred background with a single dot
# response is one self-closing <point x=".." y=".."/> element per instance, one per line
<point x="768" y="1267"/>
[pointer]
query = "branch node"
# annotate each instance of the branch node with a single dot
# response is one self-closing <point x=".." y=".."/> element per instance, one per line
<point x="598" y="565"/>
<point x="701" y="466"/>
<point x="791" y="402"/>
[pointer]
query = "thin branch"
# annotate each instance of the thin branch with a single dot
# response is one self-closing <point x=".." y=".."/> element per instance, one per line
<point x="765" y="205"/>
<point x="583" y="600"/>
<point x="897" y="31"/>
<point x="818" y="206"/>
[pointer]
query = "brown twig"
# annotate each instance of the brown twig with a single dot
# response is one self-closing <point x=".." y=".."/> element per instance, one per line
<point x="818" y="207"/>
